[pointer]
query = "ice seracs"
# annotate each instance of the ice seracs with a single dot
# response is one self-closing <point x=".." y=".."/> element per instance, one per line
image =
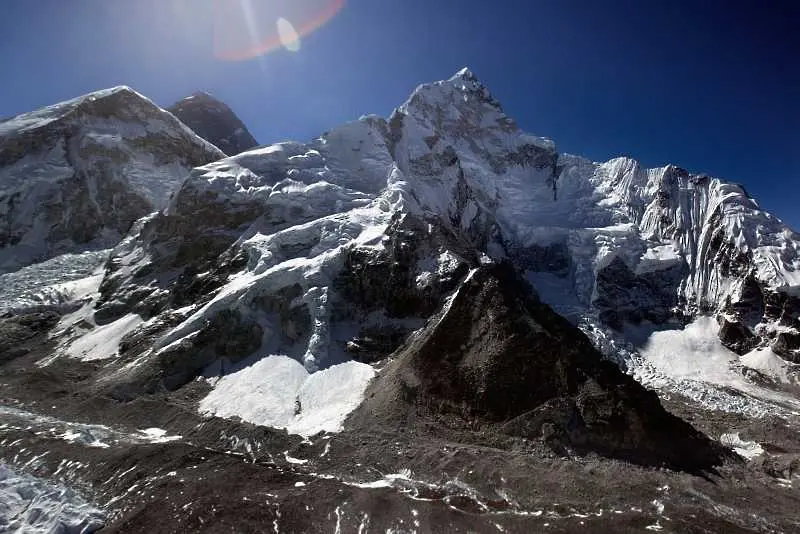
<point x="30" y="504"/>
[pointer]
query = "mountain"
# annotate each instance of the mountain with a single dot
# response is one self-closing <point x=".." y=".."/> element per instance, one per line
<point x="78" y="174"/>
<point x="613" y="242"/>
<point x="429" y="322"/>
<point x="497" y="355"/>
<point x="215" y="122"/>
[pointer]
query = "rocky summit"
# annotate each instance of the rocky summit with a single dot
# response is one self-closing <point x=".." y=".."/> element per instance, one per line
<point x="214" y="121"/>
<point x="427" y="322"/>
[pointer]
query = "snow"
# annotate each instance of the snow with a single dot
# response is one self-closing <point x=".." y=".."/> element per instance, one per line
<point x="102" y="342"/>
<point x="45" y="116"/>
<point x="57" y="283"/>
<point x="746" y="449"/>
<point x="693" y="353"/>
<point x="157" y="435"/>
<point x="343" y="188"/>
<point x="30" y="505"/>
<point x="769" y="363"/>
<point x="658" y="258"/>
<point x="83" y="437"/>
<point x="293" y="460"/>
<point x="693" y="362"/>
<point x="558" y="293"/>
<point x="88" y="435"/>
<point x="277" y="391"/>
<point x="72" y="145"/>
<point x="450" y="153"/>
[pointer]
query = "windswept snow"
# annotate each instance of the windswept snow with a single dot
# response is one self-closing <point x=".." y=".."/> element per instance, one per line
<point x="29" y="505"/>
<point x="277" y="391"/>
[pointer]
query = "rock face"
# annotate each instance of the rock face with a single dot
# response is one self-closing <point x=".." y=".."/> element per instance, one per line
<point x="215" y="122"/>
<point x="16" y="331"/>
<point x="496" y="359"/>
<point x="79" y="173"/>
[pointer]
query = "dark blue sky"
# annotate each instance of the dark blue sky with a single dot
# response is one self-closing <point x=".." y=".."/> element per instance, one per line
<point x="711" y="86"/>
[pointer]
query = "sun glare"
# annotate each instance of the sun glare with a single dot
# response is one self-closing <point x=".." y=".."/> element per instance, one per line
<point x="245" y="29"/>
<point x="288" y="35"/>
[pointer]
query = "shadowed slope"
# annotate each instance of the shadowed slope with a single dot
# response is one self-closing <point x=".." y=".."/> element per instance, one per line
<point x="496" y="358"/>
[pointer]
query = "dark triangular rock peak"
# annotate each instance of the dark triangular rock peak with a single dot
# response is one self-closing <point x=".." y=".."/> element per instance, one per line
<point x="214" y="121"/>
<point x="497" y="358"/>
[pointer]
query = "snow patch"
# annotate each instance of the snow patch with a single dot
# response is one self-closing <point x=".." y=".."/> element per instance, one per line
<point x="157" y="435"/>
<point x="746" y="449"/>
<point x="103" y="342"/>
<point x="84" y="437"/>
<point x="277" y="391"/>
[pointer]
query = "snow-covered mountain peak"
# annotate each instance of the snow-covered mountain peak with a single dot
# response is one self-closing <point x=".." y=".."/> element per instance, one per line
<point x="376" y="278"/>
<point x="202" y="97"/>
<point x="46" y="115"/>
<point x="462" y="90"/>
<point x="342" y="245"/>
<point x="110" y="113"/>
<point x="83" y="170"/>
<point x="201" y="94"/>
<point x="465" y="74"/>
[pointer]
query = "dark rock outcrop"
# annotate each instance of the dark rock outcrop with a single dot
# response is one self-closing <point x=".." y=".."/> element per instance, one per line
<point x="215" y="122"/>
<point x="787" y="345"/>
<point x="496" y="358"/>
<point x="228" y="335"/>
<point x="18" y="333"/>
<point x="736" y="336"/>
<point x="622" y="295"/>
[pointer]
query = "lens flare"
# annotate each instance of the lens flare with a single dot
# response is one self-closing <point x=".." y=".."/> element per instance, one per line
<point x="245" y="29"/>
<point x="289" y="37"/>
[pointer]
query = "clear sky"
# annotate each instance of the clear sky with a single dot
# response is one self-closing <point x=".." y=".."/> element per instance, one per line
<point x="711" y="86"/>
